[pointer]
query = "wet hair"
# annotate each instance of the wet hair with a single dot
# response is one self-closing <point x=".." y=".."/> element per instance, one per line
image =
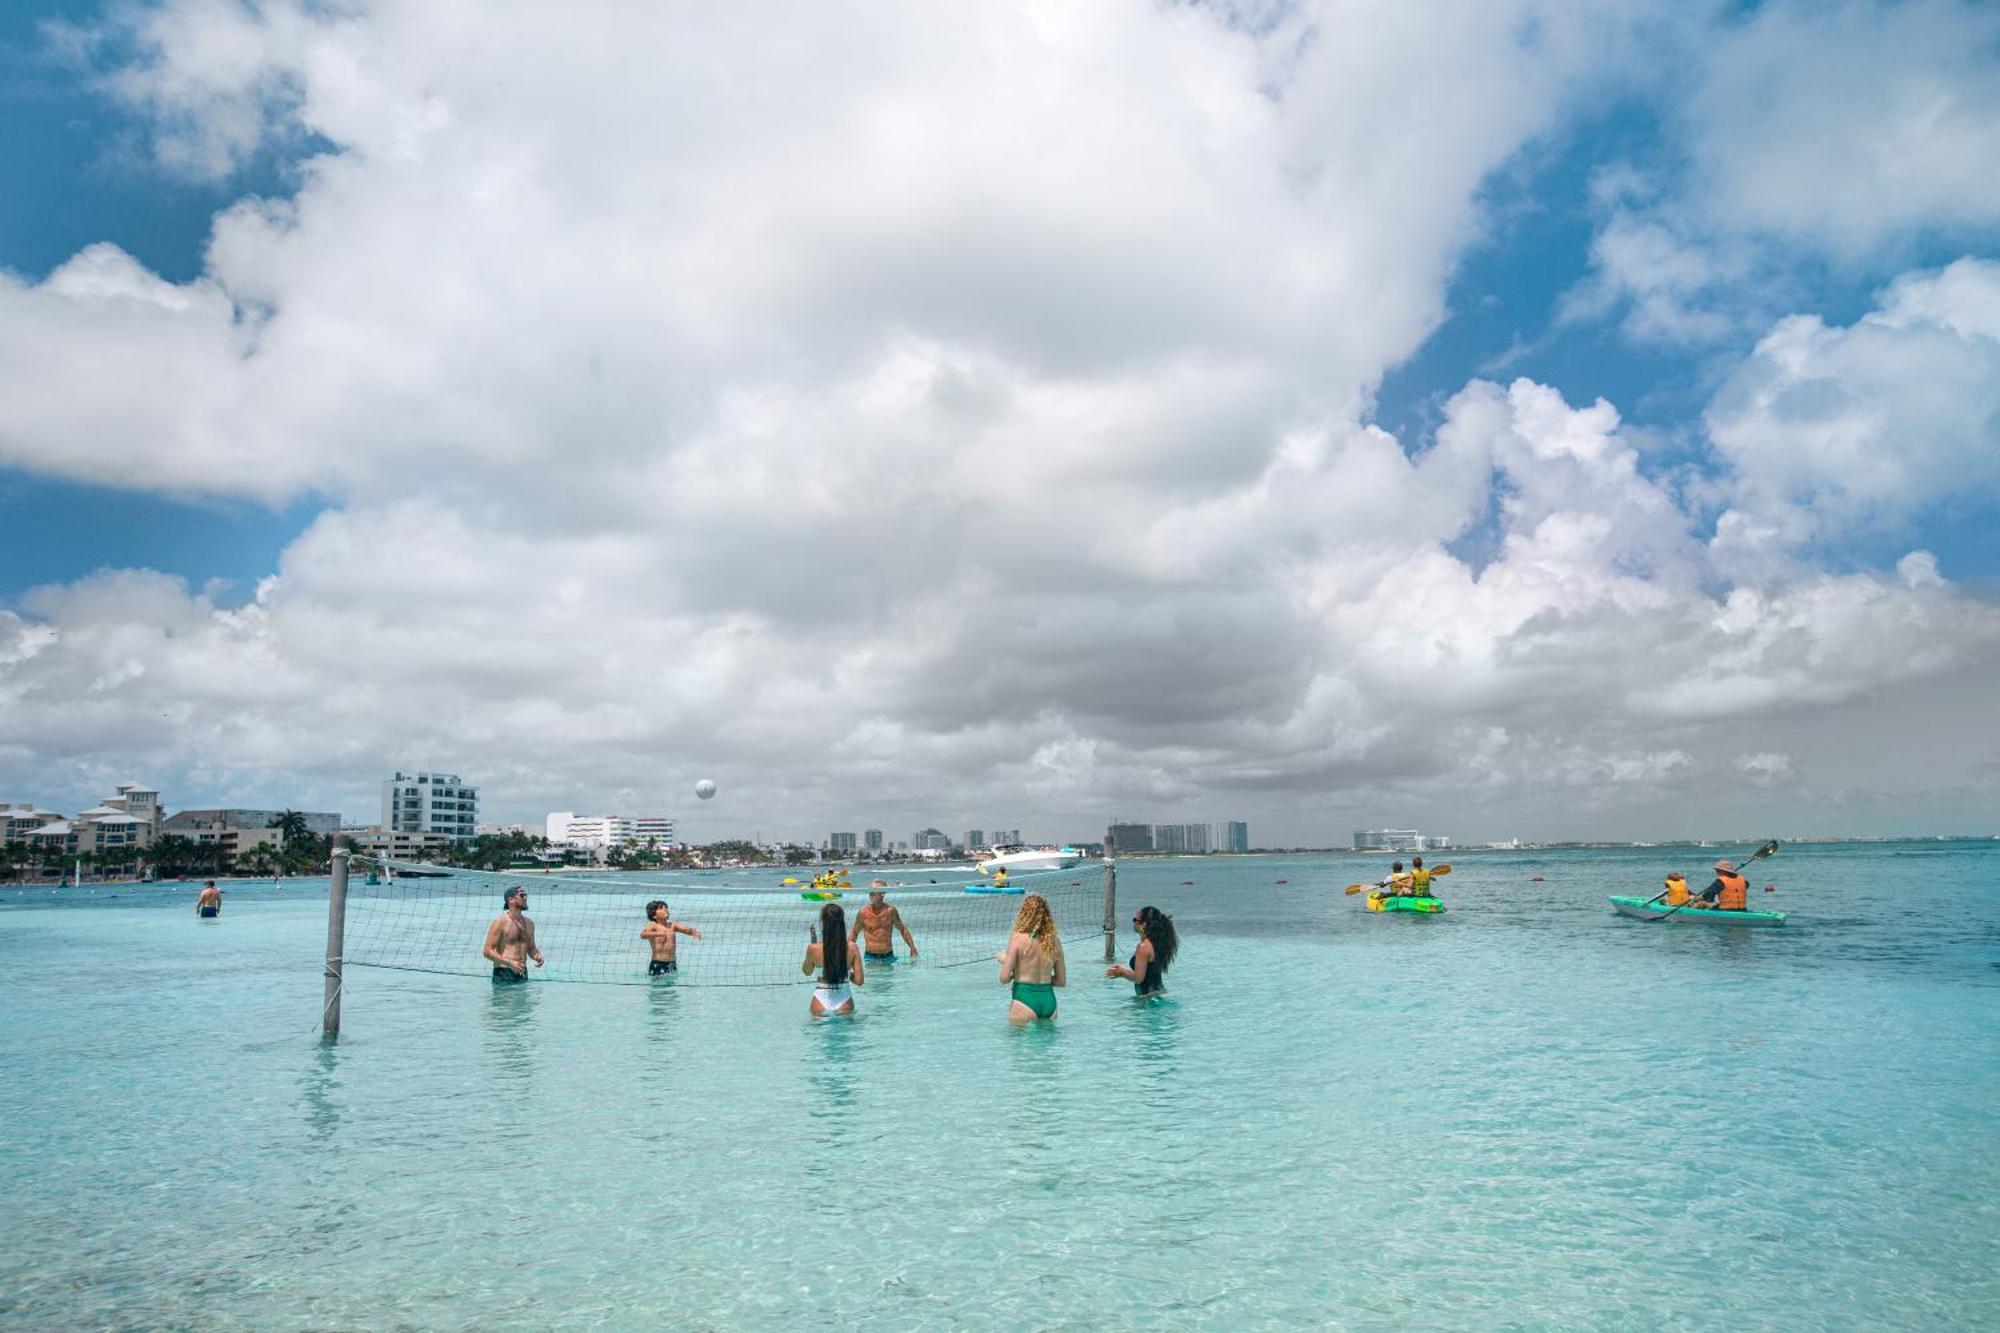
<point x="520" y="889"/>
<point x="654" y="906"/>
<point x="1158" y="927"/>
<point x="1035" y="919"/>
<point x="1417" y="861"/>
<point x="833" y="945"/>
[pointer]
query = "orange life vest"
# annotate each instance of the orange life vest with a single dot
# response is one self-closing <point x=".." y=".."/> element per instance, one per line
<point x="1735" y="895"/>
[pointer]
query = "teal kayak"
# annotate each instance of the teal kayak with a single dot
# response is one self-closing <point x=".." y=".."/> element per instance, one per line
<point x="1390" y="902"/>
<point x="1646" y="910"/>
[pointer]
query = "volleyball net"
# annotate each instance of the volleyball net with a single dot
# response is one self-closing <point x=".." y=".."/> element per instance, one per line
<point x="754" y="926"/>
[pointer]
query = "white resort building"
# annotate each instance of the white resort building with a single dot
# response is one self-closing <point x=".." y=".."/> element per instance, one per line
<point x="129" y="819"/>
<point x="600" y="833"/>
<point x="425" y="803"/>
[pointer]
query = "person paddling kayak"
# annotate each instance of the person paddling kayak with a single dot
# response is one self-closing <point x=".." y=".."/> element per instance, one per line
<point x="1729" y="893"/>
<point x="1677" y="890"/>
<point x="1397" y="881"/>
<point x="1420" y="879"/>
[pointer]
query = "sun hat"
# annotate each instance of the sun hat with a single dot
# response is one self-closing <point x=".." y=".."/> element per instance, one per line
<point x="1730" y="866"/>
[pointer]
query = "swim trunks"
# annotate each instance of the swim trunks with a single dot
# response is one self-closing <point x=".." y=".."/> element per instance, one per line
<point x="879" y="957"/>
<point x="211" y="911"/>
<point x="508" y="974"/>
<point x="1040" y="997"/>
<point x="661" y="966"/>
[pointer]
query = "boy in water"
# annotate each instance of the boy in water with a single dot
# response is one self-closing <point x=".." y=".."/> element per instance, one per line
<point x="659" y="931"/>
<point x="209" y="901"/>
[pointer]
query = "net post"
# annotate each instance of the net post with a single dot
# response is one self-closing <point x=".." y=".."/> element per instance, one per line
<point x="1110" y="903"/>
<point x="336" y="935"/>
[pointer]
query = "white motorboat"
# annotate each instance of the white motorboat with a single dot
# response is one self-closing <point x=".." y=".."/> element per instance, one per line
<point x="1013" y="858"/>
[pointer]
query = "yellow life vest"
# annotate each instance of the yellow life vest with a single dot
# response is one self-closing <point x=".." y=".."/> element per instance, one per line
<point x="1420" y="882"/>
<point x="1677" y="891"/>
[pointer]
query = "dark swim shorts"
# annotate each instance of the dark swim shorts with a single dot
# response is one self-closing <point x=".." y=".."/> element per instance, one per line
<point x="211" y="911"/>
<point x="508" y="974"/>
<point x="662" y="966"/>
<point x="879" y="957"/>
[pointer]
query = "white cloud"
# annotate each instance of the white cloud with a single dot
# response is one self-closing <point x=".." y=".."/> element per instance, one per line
<point x="1830" y="431"/>
<point x="893" y="416"/>
<point x="1803" y="133"/>
<point x="1765" y="768"/>
<point x="1669" y="289"/>
<point x="1846" y="126"/>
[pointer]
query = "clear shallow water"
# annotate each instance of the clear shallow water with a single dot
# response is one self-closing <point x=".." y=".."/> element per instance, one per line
<point x="1525" y="1113"/>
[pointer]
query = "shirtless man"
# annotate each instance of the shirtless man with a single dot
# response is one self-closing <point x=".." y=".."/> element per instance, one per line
<point x="877" y="920"/>
<point x="510" y="940"/>
<point x="209" y="901"/>
<point x="659" y="931"/>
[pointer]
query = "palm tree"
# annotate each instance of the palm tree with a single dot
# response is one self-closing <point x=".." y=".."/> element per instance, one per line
<point x="173" y="856"/>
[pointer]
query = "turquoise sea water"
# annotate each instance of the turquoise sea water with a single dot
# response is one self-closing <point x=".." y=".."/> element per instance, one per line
<point x="1526" y="1113"/>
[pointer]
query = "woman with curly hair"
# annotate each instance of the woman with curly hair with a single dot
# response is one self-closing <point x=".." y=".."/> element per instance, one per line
<point x="1157" y="945"/>
<point x="1033" y="963"/>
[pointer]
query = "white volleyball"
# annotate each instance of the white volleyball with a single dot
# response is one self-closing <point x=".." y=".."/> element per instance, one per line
<point x="704" y="789"/>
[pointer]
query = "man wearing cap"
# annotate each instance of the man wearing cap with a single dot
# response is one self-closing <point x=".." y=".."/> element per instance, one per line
<point x="510" y="940"/>
<point x="878" y="919"/>
<point x="1729" y="893"/>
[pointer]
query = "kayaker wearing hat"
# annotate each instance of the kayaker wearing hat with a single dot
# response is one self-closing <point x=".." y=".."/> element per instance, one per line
<point x="1729" y="893"/>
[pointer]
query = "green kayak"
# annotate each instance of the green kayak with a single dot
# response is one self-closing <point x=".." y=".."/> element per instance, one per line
<point x="1389" y="902"/>
<point x="1646" y="910"/>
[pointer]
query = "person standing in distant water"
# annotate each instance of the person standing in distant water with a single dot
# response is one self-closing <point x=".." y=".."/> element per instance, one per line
<point x="1147" y="971"/>
<point x="877" y="919"/>
<point x="1032" y="963"/>
<point x="209" y="901"/>
<point x="835" y="962"/>
<point x="510" y="940"/>
<point x="659" y="931"/>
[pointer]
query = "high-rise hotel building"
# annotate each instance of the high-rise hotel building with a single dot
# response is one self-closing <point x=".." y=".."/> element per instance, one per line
<point x="430" y="803"/>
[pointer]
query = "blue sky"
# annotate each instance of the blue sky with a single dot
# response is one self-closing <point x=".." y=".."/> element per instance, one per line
<point x="546" y="345"/>
<point x="72" y="172"/>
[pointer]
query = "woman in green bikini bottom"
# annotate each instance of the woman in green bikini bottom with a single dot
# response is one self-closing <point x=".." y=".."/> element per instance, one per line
<point x="1033" y="962"/>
